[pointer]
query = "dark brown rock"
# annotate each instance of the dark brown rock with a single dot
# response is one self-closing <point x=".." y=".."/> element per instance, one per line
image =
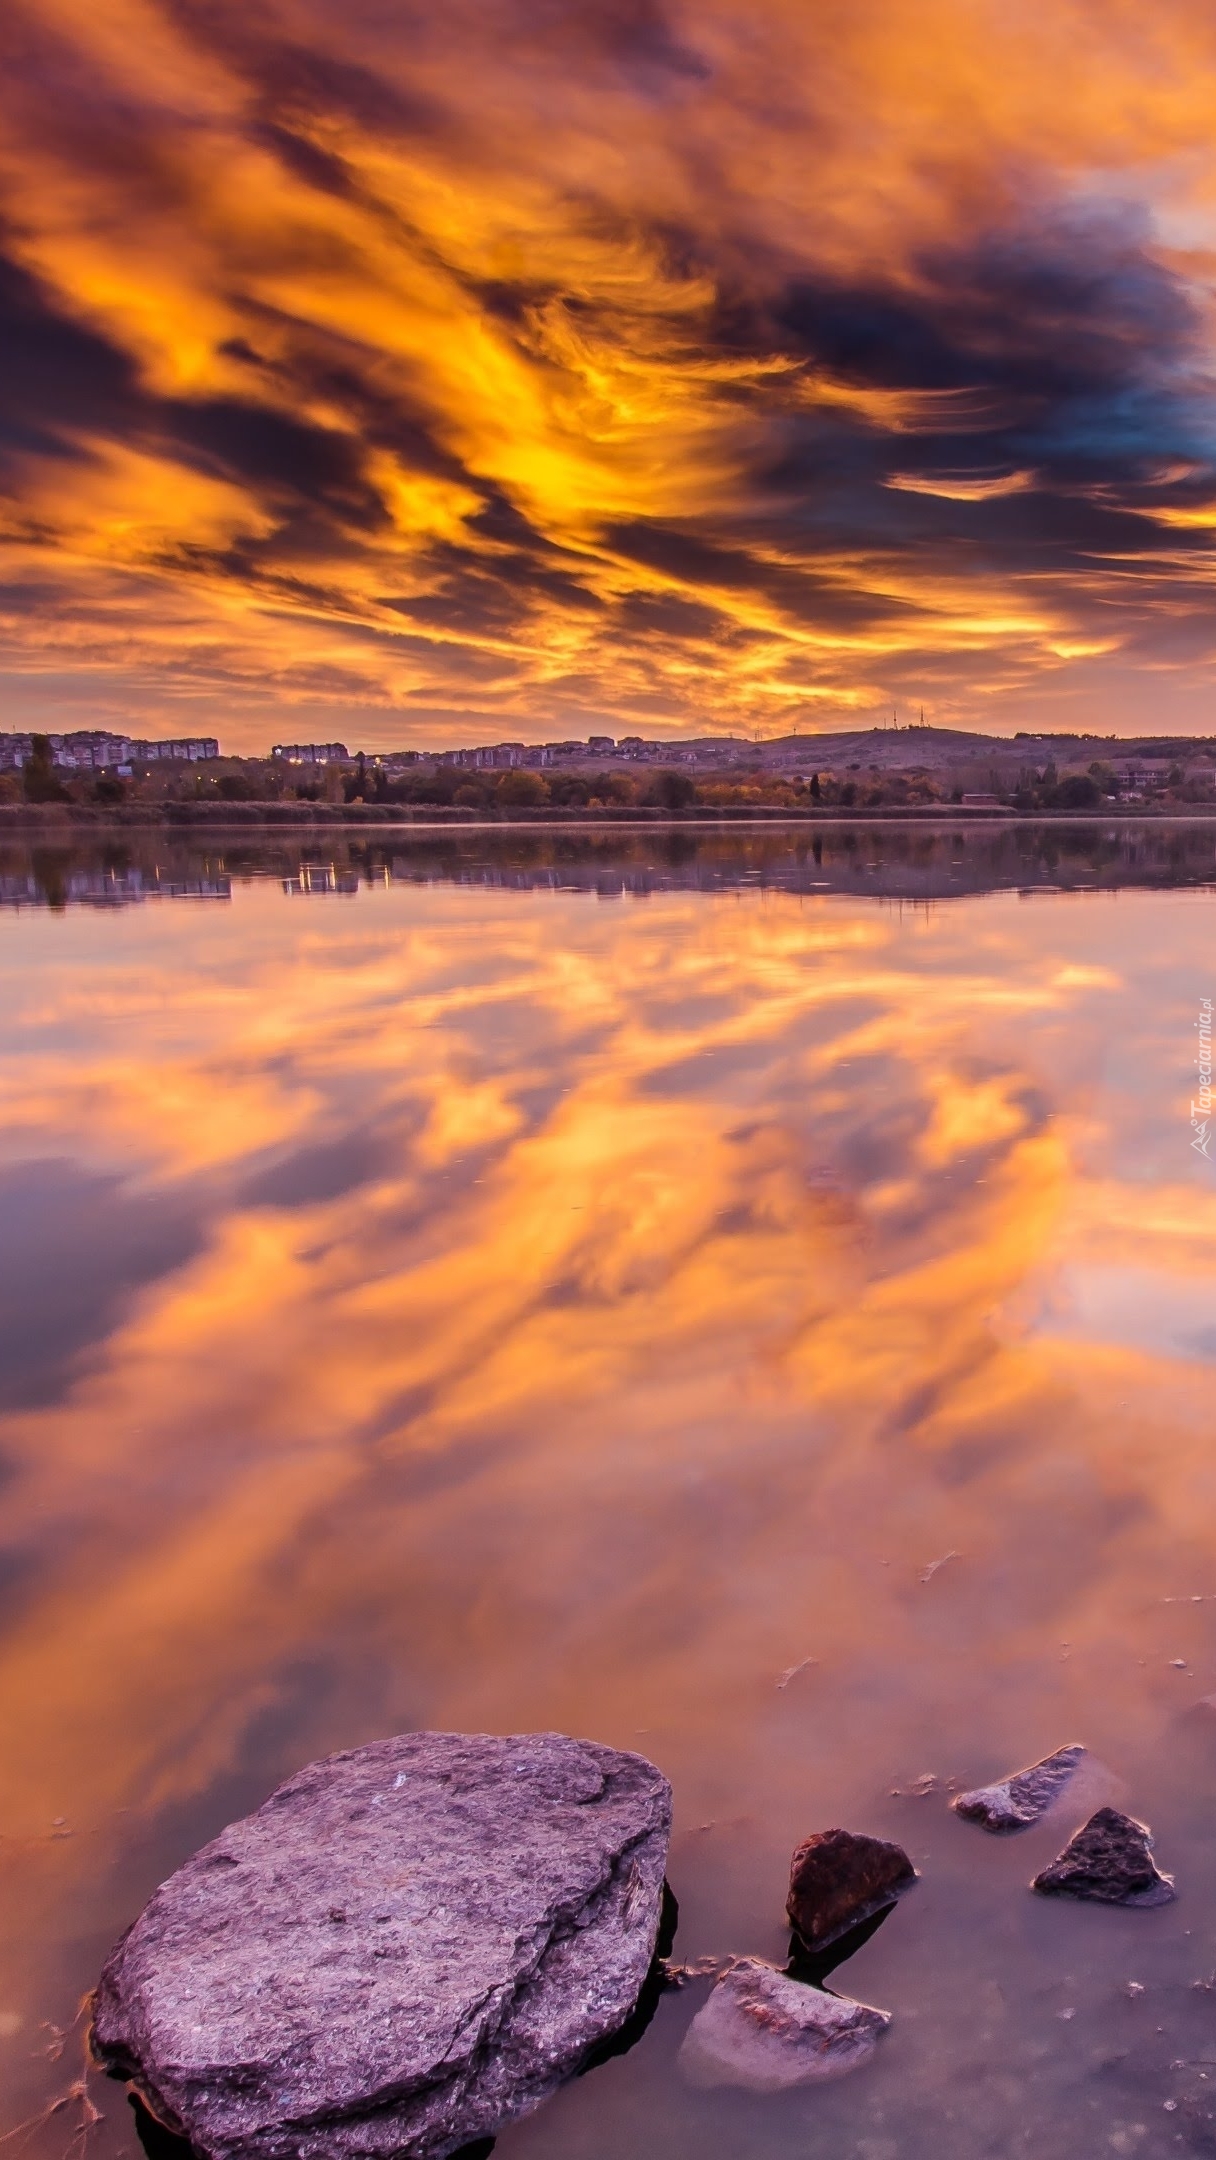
<point x="1111" y="1861"/>
<point x="838" y="1880"/>
<point x="408" y="1946"/>
<point x="1025" y="1796"/>
<point x="766" y="2032"/>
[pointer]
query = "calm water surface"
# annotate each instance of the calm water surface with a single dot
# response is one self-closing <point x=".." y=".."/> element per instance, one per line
<point x="748" y="1303"/>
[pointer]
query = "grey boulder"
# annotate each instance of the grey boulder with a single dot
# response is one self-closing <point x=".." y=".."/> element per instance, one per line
<point x="1025" y="1796"/>
<point x="1110" y="1861"/>
<point x="766" y="2032"/>
<point x="408" y="1946"/>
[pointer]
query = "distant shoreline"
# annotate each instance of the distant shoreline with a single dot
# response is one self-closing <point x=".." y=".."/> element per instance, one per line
<point x="67" y="821"/>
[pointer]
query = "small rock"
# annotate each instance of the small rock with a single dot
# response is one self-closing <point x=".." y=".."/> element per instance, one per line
<point x="702" y="1968"/>
<point x="919" y="1789"/>
<point x="1110" y="1861"/>
<point x="1025" y="1796"/>
<point x="838" y="1880"/>
<point x="766" y="2032"/>
<point x="408" y="1946"/>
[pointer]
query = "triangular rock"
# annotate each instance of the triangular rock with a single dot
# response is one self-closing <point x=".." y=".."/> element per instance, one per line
<point x="1025" y="1796"/>
<point x="1111" y="1861"/>
<point x="838" y="1879"/>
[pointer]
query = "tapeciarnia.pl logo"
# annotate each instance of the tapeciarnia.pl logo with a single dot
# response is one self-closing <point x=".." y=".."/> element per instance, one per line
<point x="1201" y="1110"/>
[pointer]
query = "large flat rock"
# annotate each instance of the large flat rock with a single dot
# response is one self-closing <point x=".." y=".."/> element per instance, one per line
<point x="767" y="2032"/>
<point x="406" y="1947"/>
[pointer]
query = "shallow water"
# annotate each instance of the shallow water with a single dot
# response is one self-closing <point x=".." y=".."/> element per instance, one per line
<point x="751" y="1302"/>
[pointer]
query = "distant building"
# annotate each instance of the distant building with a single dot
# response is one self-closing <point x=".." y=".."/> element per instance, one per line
<point x="1143" y="772"/>
<point x="90" y="750"/>
<point x="503" y="756"/>
<point x="186" y="749"/>
<point x="311" y="753"/>
<point x="96" y="750"/>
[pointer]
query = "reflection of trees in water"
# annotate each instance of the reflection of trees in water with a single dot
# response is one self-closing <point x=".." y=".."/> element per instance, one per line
<point x="49" y="872"/>
<point x="911" y="862"/>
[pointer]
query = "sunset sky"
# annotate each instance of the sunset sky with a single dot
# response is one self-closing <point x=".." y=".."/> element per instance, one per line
<point x="520" y="368"/>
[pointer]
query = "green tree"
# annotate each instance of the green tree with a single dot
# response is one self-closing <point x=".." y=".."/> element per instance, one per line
<point x="570" y="791"/>
<point x="521" y="790"/>
<point x="672" y="790"/>
<point x="613" y="787"/>
<point x="41" y="785"/>
<point x="1076" y="791"/>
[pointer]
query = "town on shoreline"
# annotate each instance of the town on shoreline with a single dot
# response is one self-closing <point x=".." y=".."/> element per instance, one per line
<point x="913" y="771"/>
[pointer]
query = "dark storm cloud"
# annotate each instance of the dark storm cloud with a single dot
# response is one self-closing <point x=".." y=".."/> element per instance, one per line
<point x="295" y="80"/>
<point x="1081" y="343"/>
<point x="55" y="375"/>
<point x="273" y="451"/>
<point x="635" y="36"/>
<point x="60" y="380"/>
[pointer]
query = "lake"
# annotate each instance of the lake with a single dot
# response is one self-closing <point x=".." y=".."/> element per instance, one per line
<point x="748" y="1297"/>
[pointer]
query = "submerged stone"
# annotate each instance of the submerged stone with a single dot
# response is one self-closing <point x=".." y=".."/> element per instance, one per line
<point x="408" y="1946"/>
<point x="1025" y="1796"/>
<point x="839" y="1879"/>
<point x="766" y="2032"/>
<point x="1110" y="1860"/>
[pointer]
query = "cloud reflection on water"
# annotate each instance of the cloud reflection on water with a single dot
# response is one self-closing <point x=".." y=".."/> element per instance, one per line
<point x="678" y="1286"/>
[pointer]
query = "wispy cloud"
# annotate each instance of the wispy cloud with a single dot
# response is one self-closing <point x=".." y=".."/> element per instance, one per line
<point x="963" y="487"/>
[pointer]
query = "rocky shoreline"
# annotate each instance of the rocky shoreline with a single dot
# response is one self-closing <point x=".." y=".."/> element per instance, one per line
<point x="407" y="1946"/>
<point x="414" y="1943"/>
